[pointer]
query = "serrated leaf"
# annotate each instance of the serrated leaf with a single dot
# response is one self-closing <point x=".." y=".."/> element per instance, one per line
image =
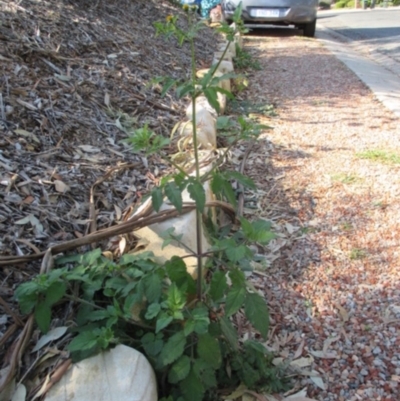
<point x="220" y="186"/>
<point x="83" y="341"/>
<point x="224" y="122"/>
<point x="175" y="298"/>
<point x="237" y="277"/>
<point x="235" y="254"/>
<point x="192" y="387"/>
<point x="234" y="300"/>
<point x="211" y="95"/>
<point x="98" y="315"/>
<point x="256" y="311"/>
<point x="197" y="193"/>
<point x="43" y="316"/>
<point x="174" y="195"/>
<point x="229" y="332"/>
<point x="163" y="321"/>
<point x="152" y="287"/>
<point x="157" y="198"/>
<point x="55" y="292"/>
<point x="173" y="348"/>
<point x="218" y="285"/>
<point x="152" y="311"/>
<point x="205" y="372"/>
<point x="179" y="370"/>
<point x="201" y="319"/>
<point x="152" y="344"/>
<point x="209" y="350"/>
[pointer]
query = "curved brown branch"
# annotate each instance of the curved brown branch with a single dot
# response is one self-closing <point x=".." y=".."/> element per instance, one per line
<point x="135" y="223"/>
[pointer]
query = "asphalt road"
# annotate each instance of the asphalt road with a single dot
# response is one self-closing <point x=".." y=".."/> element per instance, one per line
<point x="368" y="42"/>
<point x="376" y="30"/>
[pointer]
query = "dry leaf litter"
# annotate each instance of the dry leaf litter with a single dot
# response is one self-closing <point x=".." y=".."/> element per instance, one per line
<point x="331" y="276"/>
<point x="73" y="83"/>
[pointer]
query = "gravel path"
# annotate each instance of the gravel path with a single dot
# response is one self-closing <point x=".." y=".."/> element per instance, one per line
<point x="329" y="180"/>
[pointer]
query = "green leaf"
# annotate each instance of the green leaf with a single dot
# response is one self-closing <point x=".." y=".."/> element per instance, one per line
<point x="98" y="315"/>
<point x="218" y="285"/>
<point x="225" y="92"/>
<point x="235" y="254"/>
<point x="211" y="95"/>
<point x="229" y="333"/>
<point x="173" y="348"/>
<point x="177" y="272"/>
<point x="240" y="178"/>
<point x="197" y="193"/>
<point x="184" y="89"/>
<point x="91" y="258"/>
<point x="201" y="319"/>
<point x="262" y="233"/>
<point x="83" y="341"/>
<point x="175" y="298"/>
<point x="152" y="344"/>
<point x="179" y="370"/>
<point x="192" y="387"/>
<point x="205" y="372"/>
<point x="256" y="311"/>
<point x="152" y="287"/>
<point x="220" y="186"/>
<point x="156" y="198"/>
<point x="237" y="277"/>
<point x="174" y="195"/>
<point x="209" y="350"/>
<point x="234" y="300"/>
<point x="169" y="83"/>
<point x="152" y="311"/>
<point x="163" y="321"/>
<point x="224" y="122"/>
<point x="43" y="316"/>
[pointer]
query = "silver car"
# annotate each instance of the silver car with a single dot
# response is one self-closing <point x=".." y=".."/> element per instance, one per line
<point x="256" y="13"/>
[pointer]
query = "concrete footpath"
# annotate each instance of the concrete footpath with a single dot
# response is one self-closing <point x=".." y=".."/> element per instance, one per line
<point x="379" y="72"/>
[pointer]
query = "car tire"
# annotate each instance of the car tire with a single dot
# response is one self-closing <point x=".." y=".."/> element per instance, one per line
<point x="309" y="29"/>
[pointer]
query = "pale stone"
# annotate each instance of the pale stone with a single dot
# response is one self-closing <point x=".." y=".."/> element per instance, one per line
<point x="122" y="374"/>
<point x="184" y="225"/>
<point x="225" y="67"/>
<point x="224" y="84"/>
<point x="238" y="39"/>
<point x="206" y="127"/>
<point x="222" y="102"/>
<point x="227" y="56"/>
<point x="201" y="104"/>
<point x="231" y="48"/>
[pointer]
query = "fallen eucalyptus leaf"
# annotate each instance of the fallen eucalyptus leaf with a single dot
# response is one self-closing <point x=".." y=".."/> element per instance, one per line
<point x="52" y="335"/>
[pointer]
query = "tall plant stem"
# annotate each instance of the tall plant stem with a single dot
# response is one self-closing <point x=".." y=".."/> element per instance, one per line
<point x="197" y="165"/>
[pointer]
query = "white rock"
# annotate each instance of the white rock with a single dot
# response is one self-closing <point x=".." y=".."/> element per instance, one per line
<point x="225" y="66"/>
<point x="218" y="55"/>
<point x="231" y="48"/>
<point x="184" y="225"/>
<point x="122" y="374"/>
<point x="224" y="84"/>
<point x="206" y="128"/>
<point x="201" y="103"/>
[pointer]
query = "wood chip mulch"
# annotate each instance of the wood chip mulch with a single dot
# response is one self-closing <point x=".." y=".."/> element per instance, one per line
<point x="75" y="81"/>
<point x="332" y="276"/>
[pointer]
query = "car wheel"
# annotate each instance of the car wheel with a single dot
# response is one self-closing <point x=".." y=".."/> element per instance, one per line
<point x="309" y="29"/>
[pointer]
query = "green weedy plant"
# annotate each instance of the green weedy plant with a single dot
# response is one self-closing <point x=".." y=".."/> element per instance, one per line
<point x="183" y="325"/>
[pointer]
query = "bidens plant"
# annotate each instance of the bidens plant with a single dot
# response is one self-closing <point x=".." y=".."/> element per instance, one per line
<point x="184" y="325"/>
